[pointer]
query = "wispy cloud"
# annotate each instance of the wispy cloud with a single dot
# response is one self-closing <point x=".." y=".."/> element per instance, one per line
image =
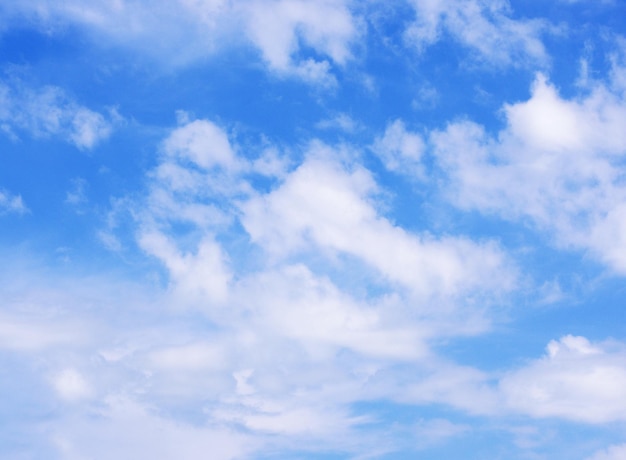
<point x="487" y="29"/>
<point x="10" y="203"/>
<point x="48" y="111"/>
<point x="184" y="31"/>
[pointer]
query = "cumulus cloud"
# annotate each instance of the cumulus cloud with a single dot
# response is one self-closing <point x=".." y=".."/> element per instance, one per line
<point x="277" y="27"/>
<point x="576" y="380"/>
<point x="198" y="172"/>
<point x="324" y="204"/>
<point x="557" y="162"/>
<point x="48" y="111"/>
<point x="202" y="143"/>
<point x="484" y="27"/>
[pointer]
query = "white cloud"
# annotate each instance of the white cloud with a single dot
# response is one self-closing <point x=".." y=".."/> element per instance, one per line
<point x="279" y="28"/>
<point x="324" y="204"/>
<point x="576" y="380"/>
<point x="294" y="304"/>
<point x="11" y="203"/>
<point x="182" y="31"/>
<point x="279" y="329"/>
<point x="321" y="205"/>
<point x="201" y="275"/>
<point x="485" y="27"/>
<point x="88" y="128"/>
<point x="557" y="162"/>
<point x="48" y="111"/>
<point x="203" y="144"/>
<point x="400" y="150"/>
<point x="177" y="31"/>
<point x="197" y="175"/>
<point x="271" y="163"/>
<point x="548" y="122"/>
<point x="253" y="342"/>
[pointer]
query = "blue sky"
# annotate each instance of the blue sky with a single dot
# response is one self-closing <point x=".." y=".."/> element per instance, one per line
<point x="298" y="229"/>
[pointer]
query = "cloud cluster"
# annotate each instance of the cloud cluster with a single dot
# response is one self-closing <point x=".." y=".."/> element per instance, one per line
<point x="279" y="301"/>
<point x="262" y="317"/>
<point x="558" y="162"/>
<point x="325" y="208"/>
<point x="255" y="330"/>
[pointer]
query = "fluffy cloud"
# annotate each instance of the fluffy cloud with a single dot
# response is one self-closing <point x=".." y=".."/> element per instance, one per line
<point x="200" y="275"/>
<point x="276" y="28"/>
<point x="400" y="150"/>
<point x="48" y="111"/>
<point x="310" y="310"/>
<point x="197" y="173"/>
<point x="324" y="204"/>
<point x="557" y="162"/>
<point x="576" y="380"/>
<point x="198" y="167"/>
<point x="485" y="27"/>
<point x="203" y="144"/>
